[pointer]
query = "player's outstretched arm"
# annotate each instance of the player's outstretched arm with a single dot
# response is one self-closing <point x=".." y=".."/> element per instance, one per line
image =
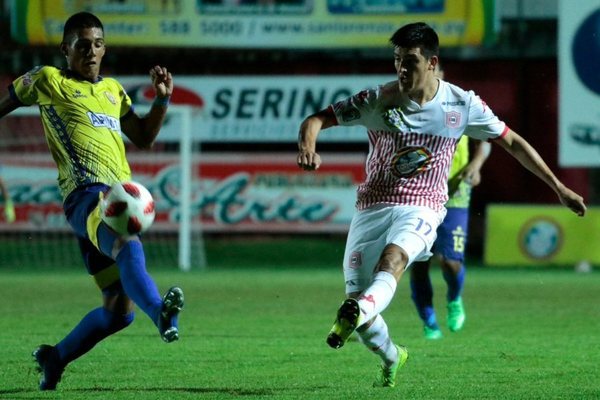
<point x="308" y="159"/>
<point x="142" y="131"/>
<point x="530" y="159"/>
<point x="7" y="105"/>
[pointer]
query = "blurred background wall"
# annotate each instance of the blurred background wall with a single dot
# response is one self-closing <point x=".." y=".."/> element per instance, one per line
<point x="514" y="68"/>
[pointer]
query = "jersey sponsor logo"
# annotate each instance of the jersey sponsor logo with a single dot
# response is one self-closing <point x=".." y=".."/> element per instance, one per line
<point x="104" y="121"/>
<point x="454" y="103"/>
<point x="410" y="161"/>
<point x="452" y="119"/>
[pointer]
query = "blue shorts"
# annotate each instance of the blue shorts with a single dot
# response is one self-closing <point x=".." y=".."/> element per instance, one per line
<point x="82" y="211"/>
<point x="452" y="235"/>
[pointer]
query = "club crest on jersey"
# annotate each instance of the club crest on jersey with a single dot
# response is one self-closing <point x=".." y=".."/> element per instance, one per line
<point x="110" y="98"/>
<point x="410" y="161"/>
<point x="452" y="119"/>
<point x="355" y="259"/>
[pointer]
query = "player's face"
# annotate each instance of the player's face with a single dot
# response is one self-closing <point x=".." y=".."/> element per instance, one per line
<point x="84" y="51"/>
<point x="412" y="68"/>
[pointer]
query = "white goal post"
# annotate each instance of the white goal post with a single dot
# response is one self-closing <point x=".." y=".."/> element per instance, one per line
<point x="180" y="222"/>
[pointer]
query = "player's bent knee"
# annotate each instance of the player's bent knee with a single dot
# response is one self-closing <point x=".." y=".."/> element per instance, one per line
<point x="393" y="260"/>
<point x="111" y="243"/>
<point x="121" y="321"/>
<point x="117" y="321"/>
<point x="127" y="319"/>
<point x="123" y="242"/>
<point x="453" y="266"/>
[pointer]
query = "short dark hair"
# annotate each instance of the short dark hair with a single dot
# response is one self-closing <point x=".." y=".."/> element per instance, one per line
<point x="417" y="34"/>
<point x="79" y="21"/>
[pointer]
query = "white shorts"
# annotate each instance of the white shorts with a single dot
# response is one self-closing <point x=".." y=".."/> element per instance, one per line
<point x="410" y="227"/>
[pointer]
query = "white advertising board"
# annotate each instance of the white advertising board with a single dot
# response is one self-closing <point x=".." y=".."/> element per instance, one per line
<point x="579" y="87"/>
<point x="255" y="109"/>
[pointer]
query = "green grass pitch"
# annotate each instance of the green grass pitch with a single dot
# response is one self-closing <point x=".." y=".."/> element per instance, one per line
<point x="256" y="330"/>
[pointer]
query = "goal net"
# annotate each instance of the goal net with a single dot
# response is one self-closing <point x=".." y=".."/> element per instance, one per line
<point x="40" y="235"/>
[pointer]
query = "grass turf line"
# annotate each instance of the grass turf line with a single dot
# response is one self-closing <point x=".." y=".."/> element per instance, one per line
<point x="261" y="334"/>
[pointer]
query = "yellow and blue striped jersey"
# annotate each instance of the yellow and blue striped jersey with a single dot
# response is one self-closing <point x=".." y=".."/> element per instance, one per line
<point x="81" y="122"/>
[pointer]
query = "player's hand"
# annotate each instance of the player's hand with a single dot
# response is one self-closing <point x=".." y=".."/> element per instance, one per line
<point x="162" y="81"/>
<point x="471" y="175"/>
<point x="9" y="212"/>
<point x="308" y="160"/>
<point x="572" y="200"/>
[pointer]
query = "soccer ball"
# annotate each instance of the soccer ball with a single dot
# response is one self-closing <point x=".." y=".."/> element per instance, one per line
<point x="128" y="208"/>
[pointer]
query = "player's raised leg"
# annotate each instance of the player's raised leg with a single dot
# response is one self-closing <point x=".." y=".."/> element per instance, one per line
<point x="139" y="285"/>
<point x="359" y="259"/>
<point x="172" y="304"/>
<point x="376" y="297"/>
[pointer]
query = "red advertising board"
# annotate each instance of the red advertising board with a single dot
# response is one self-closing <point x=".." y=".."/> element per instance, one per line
<point x="230" y="192"/>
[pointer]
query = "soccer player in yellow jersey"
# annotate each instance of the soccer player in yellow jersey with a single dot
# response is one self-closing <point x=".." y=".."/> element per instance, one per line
<point x="84" y="115"/>
<point x="465" y="173"/>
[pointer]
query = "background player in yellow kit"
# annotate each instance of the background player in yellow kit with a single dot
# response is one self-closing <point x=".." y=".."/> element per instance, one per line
<point x="450" y="244"/>
<point x="83" y="115"/>
<point x="9" y="208"/>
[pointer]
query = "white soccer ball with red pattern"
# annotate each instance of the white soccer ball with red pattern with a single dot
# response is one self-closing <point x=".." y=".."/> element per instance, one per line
<point x="128" y="208"/>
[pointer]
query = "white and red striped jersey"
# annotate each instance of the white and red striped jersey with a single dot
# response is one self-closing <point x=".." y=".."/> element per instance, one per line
<point x="411" y="146"/>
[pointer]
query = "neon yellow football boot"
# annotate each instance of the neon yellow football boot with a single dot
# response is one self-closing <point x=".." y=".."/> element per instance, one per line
<point x="345" y="323"/>
<point x="387" y="375"/>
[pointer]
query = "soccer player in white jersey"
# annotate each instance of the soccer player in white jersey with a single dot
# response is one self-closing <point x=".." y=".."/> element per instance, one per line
<point x="413" y="126"/>
<point x="84" y="116"/>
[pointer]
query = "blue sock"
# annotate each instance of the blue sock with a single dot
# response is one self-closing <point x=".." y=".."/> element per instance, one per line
<point x="136" y="281"/>
<point x="422" y="295"/>
<point x="95" y="326"/>
<point x="455" y="283"/>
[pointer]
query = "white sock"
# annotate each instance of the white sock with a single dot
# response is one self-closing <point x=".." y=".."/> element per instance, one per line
<point x="377" y="339"/>
<point x="378" y="296"/>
